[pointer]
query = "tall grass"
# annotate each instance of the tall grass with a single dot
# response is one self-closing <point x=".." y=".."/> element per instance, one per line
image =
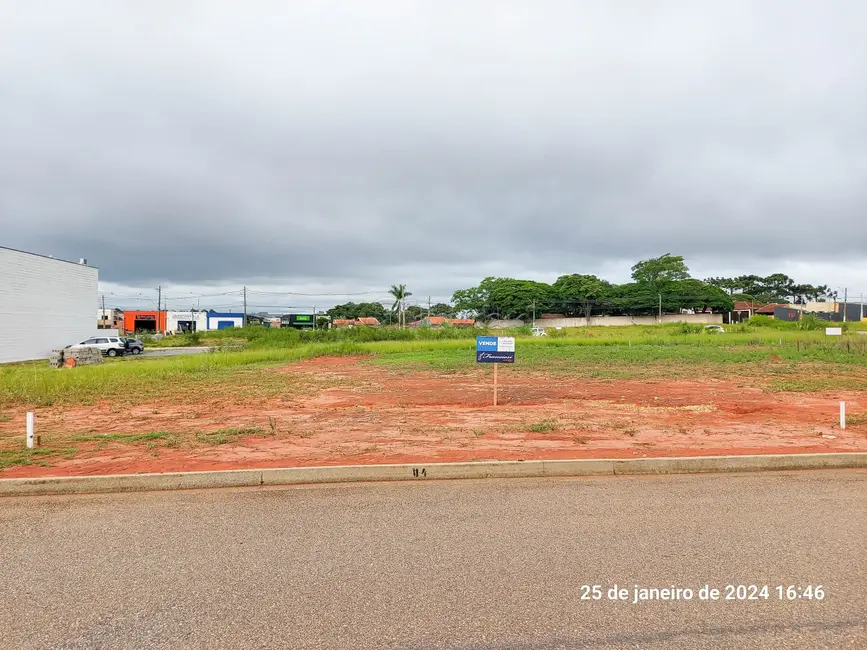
<point x="589" y="348"/>
<point x="39" y="385"/>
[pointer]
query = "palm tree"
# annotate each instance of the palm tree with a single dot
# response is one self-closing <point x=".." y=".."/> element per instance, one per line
<point x="400" y="294"/>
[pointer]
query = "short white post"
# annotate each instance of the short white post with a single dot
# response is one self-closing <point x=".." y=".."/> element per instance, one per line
<point x="842" y="415"/>
<point x="30" y="438"/>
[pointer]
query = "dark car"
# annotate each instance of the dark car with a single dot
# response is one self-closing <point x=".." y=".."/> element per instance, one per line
<point x="132" y="346"/>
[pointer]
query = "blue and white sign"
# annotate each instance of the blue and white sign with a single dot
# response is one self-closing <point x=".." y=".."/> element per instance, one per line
<point x="495" y="349"/>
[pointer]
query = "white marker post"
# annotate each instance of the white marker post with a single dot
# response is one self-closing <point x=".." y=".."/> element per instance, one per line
<point x="30" y="438"/>
<point x="842" y="415"/>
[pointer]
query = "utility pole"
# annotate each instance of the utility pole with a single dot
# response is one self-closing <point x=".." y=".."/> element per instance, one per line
<point x="845" y="300"/>
<point x="660" y="308"/>
<point x="314" y="317"/>
<point x="534" y="313"/>
<point x="159" y="302"/>
<point x="861" y="307"/>
<point x="103" y="319"/>
<point x="244" y="322"/>
<point x="428" y="308"/>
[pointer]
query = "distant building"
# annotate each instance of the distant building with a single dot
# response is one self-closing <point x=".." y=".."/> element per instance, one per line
<point x="744" y="310"/>
<point x="46" y="304"/>
<point x="298" y="321"/>
<point x="768" y="310"/>
<point x="109" y="319"/>
<point x="343" y="322"/>
<point x="181" y="322"/>
<point x="441" y="321"/>
<point x="144" y="322"/>
<point x="368" y="321"/>
<point x="224" y="320"/>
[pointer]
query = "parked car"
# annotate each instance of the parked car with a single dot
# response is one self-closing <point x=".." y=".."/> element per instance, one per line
<point x="132" y="346"/>
<point x="715" y="329"/>
<point x="110" y="346"/>
<point x="539" y="331"/>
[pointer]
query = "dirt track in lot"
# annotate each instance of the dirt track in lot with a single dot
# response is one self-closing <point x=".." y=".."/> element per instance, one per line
<point x="366" y="414"/>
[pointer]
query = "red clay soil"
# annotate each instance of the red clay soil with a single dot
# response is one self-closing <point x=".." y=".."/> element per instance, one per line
<point x="369" y="414"/>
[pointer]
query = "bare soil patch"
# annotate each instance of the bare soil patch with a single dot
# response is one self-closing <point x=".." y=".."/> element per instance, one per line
<point x="360" y="413"/>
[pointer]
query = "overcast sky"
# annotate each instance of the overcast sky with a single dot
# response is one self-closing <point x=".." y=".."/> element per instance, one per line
<point x="321" y="147"/>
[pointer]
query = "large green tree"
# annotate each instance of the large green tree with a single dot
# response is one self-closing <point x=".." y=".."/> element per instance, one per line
<point x="442" y="309"/>
<point x="415" y="312"/>
<point x="351" y="310"/>
<point x="654" y="274"/>
<point x="577" y="294"/>
<point x="505" y="298"/>
<point x="696" y="295"/>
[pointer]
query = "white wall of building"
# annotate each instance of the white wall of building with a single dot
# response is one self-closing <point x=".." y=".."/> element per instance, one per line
<point x="175" y="317"/>
<point x="214" y="320"/>
<point x="45" y="304"/>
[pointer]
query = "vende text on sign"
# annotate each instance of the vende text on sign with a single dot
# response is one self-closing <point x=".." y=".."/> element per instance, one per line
<point x="495" y="349"/>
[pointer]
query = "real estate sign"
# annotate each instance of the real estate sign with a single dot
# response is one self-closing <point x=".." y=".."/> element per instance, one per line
<point x="495" y="349"/>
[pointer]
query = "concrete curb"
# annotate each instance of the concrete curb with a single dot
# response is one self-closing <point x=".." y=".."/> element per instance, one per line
<point x="421" y="472"/>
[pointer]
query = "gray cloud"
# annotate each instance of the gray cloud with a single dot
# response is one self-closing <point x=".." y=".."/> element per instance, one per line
<point x="322" y="145"/>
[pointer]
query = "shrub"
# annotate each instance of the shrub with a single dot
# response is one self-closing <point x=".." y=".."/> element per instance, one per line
<point x="810" y="323"/>
<point x="687" y="328"/>
<point x="192" y="339"/>
<point x="760" y="320"/>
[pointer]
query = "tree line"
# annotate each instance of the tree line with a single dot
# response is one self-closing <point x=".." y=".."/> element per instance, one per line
<point x="352" y="310"/>
<point x="776" y="287"/>
<point x="660" y="284"/>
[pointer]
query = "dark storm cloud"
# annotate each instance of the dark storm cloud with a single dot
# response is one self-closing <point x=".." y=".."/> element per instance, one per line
<point x="342" y="145"/>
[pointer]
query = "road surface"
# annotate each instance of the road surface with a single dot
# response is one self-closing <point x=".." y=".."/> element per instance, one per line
<point x="468" y="564"/>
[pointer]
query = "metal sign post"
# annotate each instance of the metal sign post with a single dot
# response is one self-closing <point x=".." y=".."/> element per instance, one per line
<point x="496" y="350"/>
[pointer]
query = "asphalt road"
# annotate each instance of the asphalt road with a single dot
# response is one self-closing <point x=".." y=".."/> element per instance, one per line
<point x="472" y="564"/>
<point x="170" y="352"/>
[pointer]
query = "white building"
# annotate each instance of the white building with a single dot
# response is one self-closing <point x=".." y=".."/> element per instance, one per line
<point x="181" y="321"/>
<point x="45" y="303"/>
<point x="222" y="320"/>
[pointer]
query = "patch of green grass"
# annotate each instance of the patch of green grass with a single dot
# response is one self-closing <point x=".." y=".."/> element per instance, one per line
<point x="544" y="426"/>
<point x="12" y="457"/>
<point x="223" y="436"/>
<point x="129" y="438"/>
<point x="855" y="420"/>
<point x="817" y="383"/>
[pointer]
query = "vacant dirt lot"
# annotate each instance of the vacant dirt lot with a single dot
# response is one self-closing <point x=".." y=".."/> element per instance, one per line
<point x="356" y="412"/>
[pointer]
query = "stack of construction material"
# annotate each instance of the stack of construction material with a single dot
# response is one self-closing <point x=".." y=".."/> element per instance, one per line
<point x="75" y="357"/>
<point x="84" y="356"/>
<point x="56" y="358"/>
